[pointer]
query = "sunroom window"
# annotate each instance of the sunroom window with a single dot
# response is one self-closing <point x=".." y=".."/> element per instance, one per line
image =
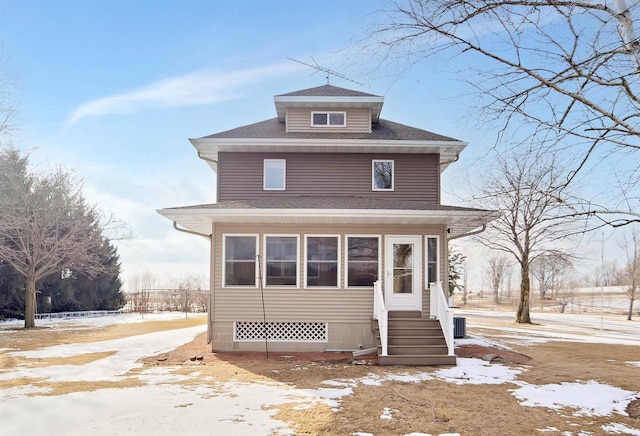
<point x="322" y="261"/>
<point x="328" y="119"/>
<point x="363" y="260"/>
<point x="432" y="259"/>
<point x="382" y="175"/>
<point x="281" y="261"/>
<point x="274" y="174"/>
<point x="240" y="260"/>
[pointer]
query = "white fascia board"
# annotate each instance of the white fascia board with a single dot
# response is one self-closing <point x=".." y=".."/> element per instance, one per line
<point x="201" y="219"/>
<point x="213" y="213"/>
<point x="209" y="145"/>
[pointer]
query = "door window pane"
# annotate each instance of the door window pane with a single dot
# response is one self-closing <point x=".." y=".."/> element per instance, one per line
<point x="402" y="268"/>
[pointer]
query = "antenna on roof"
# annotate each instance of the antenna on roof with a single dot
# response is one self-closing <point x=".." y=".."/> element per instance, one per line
<point x="329" y="72"/>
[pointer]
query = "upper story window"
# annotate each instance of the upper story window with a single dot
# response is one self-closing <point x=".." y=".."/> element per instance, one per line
<point x="328" y="119"/>
<point x="382" y="175"/>
<point x="274" y="174"/>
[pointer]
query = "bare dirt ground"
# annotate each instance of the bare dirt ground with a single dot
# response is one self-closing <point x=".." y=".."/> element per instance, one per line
<point x="432" y="406"/>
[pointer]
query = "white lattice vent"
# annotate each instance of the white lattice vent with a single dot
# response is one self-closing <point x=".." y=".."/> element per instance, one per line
<point x="280" y="331"/>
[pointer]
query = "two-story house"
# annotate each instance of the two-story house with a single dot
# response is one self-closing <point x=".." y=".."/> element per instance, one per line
<point x="328" y="217"/>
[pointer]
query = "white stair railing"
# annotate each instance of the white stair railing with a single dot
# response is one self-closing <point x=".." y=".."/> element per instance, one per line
<point x="441" y="310"/>
<point x="381" y="313"/>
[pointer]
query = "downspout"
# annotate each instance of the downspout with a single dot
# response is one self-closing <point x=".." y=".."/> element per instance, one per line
<point x="207" y="159"/>
<point x="191" y="232"/>
<point x="474" y="232"/>
<point x="449" y="162"/>
<point x="210" y="308"/>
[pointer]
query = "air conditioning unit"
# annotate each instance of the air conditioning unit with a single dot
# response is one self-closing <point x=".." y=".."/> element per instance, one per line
<point x="459" y="327"/>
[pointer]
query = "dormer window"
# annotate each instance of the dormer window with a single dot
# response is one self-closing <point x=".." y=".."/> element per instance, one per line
<point x="274" y="174"/>
<point x="328" y="119"/>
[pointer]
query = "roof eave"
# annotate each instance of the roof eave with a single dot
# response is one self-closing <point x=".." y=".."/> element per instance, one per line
<point x="201" y="219"/>
<point x="208" y="148"/>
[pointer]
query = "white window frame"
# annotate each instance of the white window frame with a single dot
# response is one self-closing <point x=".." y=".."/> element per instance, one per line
<point x="224" y="260"/>
<point x="264" y="260"/>
<point x="393" y="175"/>
<point x="346" y="259"/>
<point x="328" y="113"/>
<point x="306" y="272"/>
<point x="284" y="175"/>
<point x="426" y="259"/>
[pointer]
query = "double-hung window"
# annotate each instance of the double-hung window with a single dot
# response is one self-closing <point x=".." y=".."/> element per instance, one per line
<point x="240" y="260"/>
<point x="432" y="257"/>
<point x="363" y="260"/>
<point x="328" y="119"/>
<point x="382" y="175"/>
<point x="274" y="175"/>
<point x="281" y="260"/>
<point x="321" y="262"/>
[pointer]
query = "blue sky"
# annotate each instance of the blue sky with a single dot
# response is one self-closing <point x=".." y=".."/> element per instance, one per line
<point x="114" y="89"/>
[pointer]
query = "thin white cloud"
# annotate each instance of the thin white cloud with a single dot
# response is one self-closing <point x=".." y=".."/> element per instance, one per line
<point x="187" y="90"/>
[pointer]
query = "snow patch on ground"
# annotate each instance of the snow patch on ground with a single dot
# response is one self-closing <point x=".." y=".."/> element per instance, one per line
<point x="127" y="352"/>
<point x="589" y="398"/>
<point x="475" y="371"/>
<point x="620" y="429"/>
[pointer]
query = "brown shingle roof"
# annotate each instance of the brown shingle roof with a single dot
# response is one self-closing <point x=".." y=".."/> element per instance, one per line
<point x="319" y="202"/>
<point x="382" y="130"/>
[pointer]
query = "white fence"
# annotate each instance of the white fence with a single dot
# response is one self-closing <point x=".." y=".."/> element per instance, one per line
<point x="81" y="314"/>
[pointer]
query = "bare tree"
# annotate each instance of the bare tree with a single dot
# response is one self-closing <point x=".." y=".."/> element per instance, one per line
<point x="548" y="270"/>
<point x="562" y="73"/>
<point x="524" y="189"/>
<point x="8" y="106"/>
<point x="140" y="286"/>
<point x="498" y="265"/>
<point x="631" y="270"/>
<point x="610" y="273"/>
<point x="45" y="225"/>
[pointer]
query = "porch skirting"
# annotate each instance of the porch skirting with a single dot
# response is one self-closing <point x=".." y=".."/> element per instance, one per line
<point x="243" y="335"/>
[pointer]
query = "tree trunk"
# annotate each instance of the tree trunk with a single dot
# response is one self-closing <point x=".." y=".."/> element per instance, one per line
<point x="630" y="309"/>
<point x="522" y="317"/>
<point x="30" y="303"/>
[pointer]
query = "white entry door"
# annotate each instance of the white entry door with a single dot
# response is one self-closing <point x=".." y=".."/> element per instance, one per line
<point x="403" y="272"/>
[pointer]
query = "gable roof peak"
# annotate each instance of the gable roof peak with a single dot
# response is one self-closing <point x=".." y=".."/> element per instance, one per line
<point x="327" y="91"/>
<point x="328" y="96"/>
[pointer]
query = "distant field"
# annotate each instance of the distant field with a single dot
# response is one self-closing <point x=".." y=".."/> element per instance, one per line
<point x="611" y="299"/>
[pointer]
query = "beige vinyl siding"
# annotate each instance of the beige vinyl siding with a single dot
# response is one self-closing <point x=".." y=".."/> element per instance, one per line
<point x="300" y="304"/>
<point x="416" y="176"/>
<point x="299" y="120"/>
